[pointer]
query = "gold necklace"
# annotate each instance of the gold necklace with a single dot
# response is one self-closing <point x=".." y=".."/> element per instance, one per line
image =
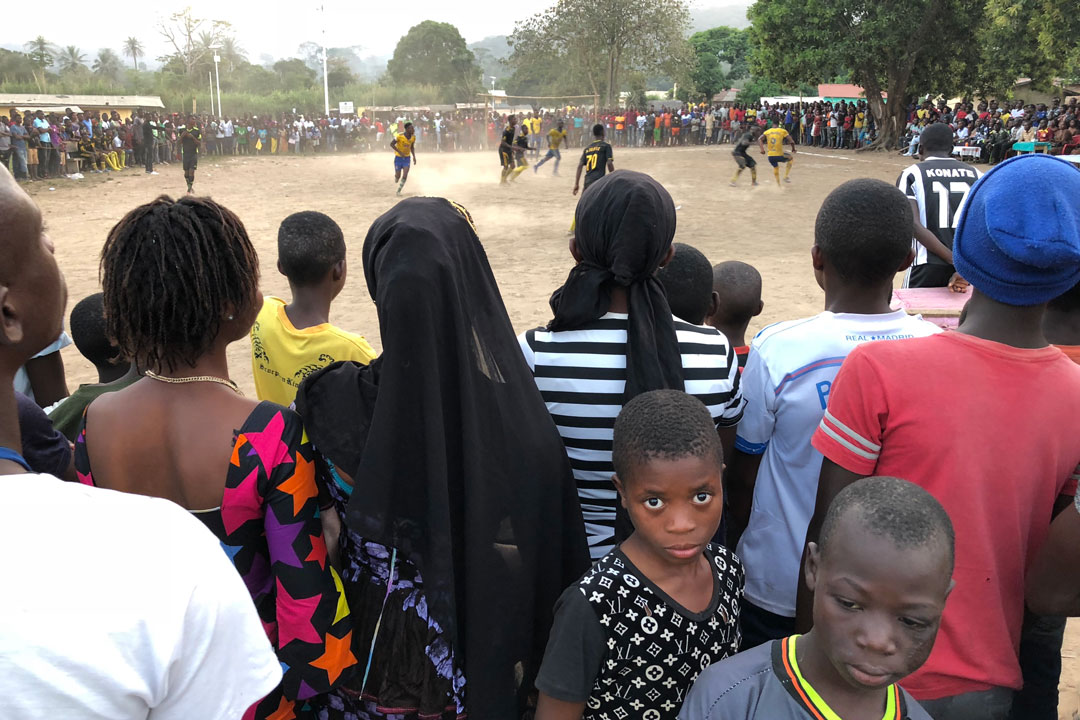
<point x="194" y="379"/>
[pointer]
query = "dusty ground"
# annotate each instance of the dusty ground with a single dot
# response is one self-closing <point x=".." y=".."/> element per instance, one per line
<point x="523" y="228"/>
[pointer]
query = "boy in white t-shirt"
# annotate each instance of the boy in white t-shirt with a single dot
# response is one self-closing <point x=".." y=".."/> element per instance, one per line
<point x="861" y="240"/>
<point x="98" y="623"/>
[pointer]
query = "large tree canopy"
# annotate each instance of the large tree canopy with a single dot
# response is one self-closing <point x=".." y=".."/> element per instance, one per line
<point x="912" y="47"/>
<point x="435" y="53"/>
<point x="890" y="47"/>
<point x="1050" y="48"/>
<point x="600" y="41"/>
<point x="714" y="49"/>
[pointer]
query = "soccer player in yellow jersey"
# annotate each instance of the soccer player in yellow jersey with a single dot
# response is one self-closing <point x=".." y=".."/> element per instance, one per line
<point x="775" y="138"/>
<point x="555" y="138"/>
<point x="404" y="155"/>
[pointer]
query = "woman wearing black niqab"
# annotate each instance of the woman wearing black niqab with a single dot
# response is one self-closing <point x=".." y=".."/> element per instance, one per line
<point x="461" y="523"/>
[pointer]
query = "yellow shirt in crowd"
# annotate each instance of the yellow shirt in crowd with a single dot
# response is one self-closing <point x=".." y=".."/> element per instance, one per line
<point x="403" y="145"/>
<point x="534" y="125"/>
<point x="282" y="356"/>
<point x="774" y="141"/>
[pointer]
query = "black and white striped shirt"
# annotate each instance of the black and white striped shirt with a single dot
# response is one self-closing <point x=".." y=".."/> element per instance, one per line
<point x="581" y="375"/>
<point x="940" y="186"/>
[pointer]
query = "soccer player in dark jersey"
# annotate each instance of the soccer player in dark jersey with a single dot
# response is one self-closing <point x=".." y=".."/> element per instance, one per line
<point x="521" y="147"/>
<point x="742" y="158"/>
<point x="596" y="160"/>
<point x="190" y="145"/>
<point x="936" y="188"/>
<point x="506" y="149"/>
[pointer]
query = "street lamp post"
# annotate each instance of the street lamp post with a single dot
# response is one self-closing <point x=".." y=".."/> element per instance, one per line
<point x="325" y="84"/>
<point x="325" y="77"/>
<point x="210" y="76"/>
<point x="217" y="72"/>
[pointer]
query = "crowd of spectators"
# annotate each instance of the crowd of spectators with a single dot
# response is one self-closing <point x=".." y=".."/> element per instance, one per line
<point x="995" y="127"/>
<point x="37" y="146"/>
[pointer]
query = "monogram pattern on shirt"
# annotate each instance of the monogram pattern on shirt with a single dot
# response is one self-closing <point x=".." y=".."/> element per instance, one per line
<point x="655" y="652"/>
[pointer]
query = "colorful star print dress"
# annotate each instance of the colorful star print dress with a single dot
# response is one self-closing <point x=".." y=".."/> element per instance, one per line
<point x="408" y="670"/>
<point x="268" y="524"/>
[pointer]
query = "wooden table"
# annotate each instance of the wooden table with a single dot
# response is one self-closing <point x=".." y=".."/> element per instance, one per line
<point x="940" y="306"/>
<point x="967" y="151"/>
<point x="1031" y="147"/>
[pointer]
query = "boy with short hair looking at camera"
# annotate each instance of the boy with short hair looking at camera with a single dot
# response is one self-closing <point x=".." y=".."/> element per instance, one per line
<point x="632" y="635"/>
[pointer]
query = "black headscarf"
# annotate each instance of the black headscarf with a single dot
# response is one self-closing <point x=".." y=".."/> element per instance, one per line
<point x="625" y="224"/>
<point x="455" y="459"/>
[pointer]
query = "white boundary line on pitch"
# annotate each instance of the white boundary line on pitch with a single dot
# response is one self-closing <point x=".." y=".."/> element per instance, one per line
<point x="832" y="157"/>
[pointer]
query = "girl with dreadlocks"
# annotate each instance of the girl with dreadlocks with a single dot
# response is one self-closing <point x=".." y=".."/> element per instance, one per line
<point x="180" y="284"/>
<point x="460" y="525"/>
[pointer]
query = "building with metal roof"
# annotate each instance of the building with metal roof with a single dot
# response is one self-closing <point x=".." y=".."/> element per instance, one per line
<point x="124" y="105"/>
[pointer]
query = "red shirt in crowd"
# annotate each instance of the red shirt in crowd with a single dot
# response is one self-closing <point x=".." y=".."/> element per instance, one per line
<point x="990" y="431"/>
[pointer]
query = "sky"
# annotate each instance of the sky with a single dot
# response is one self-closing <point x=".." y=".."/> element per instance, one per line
<point x="277" y="33"/>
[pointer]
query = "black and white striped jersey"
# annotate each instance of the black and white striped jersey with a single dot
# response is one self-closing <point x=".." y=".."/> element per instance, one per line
<point x="940" y="186"/>
<point x="581" y="375"/>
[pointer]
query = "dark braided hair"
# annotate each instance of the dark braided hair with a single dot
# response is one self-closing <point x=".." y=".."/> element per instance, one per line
<point x="170" y="270"/>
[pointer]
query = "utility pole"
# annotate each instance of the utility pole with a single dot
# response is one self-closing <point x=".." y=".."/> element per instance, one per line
<point x="325" y="77"/>
<point x="217" y="72"/>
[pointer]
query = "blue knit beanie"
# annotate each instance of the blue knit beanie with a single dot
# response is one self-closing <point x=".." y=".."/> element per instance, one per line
<point x="1018" y="239"/>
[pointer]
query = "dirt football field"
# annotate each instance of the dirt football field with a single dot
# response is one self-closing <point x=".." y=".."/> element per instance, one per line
<point x="523" y="228"/>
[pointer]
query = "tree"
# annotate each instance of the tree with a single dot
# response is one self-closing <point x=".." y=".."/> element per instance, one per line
<point x="491" y="54"/>
<point x="71" y="60"/>
<point x="41" y="52"/>
<point x="107" y="64"/>
<point x="604" y="39"/>
<point x="16" y="67"/>
<point x="892" y="48"/>
<point x="1050" y="49"/>
<point x="134" y="48"/>
<point x="338" y="73"/>
<point x="294" y="74"/>
<point x="435" y="53"/>
<point x="713" y="50"/>
<point x="231" y="53"/>
<point x="638" y="98"/>
<point x="191" y="38"/>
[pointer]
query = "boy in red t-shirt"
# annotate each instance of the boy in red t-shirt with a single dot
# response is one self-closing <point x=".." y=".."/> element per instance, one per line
<point x="984" y="419"/>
